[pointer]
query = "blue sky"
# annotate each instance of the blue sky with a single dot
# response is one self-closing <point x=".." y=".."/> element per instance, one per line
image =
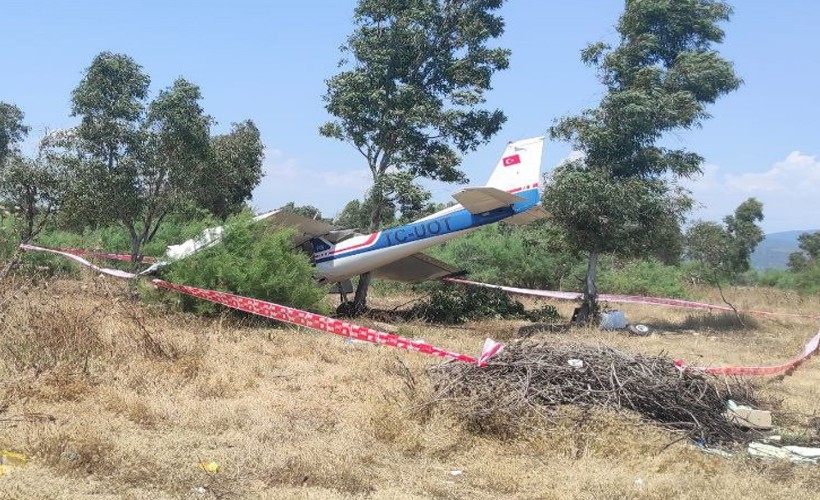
<point x="268" y="61"/>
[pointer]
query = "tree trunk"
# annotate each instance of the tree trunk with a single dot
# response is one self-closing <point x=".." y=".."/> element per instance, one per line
<point x="589" y="308"/>
<point x="360" y="299"/>
<point x="136" y="248"/>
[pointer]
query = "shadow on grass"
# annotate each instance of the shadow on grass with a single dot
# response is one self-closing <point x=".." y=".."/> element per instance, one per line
<point x="710" y="322"/>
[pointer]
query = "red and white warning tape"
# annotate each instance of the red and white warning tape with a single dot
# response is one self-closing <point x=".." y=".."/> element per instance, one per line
<point x="111" y="256"/>
<point x="746" y="371"/>
<point x="295" y="316"/>
<point x="630" y="299"/>
<point x="490" y="348"/>
<point x="76" y="258"/>
<point x="325" y="324"/>
<point x="810" y="348"/>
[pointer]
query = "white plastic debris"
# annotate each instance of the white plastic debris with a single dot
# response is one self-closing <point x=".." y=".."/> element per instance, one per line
<point x="575" y="363"/>
<point x="456" y="473"/>
<point x="796" y="454"/>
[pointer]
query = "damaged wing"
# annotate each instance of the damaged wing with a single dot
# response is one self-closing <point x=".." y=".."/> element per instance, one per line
<point x="478" y="200"/>
<point x="414" y="269"/>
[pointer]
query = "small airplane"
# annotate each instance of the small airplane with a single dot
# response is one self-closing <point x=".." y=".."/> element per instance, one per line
<point x="511" y="195"/>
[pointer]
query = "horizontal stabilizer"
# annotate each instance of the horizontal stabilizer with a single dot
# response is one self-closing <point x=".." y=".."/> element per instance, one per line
<point x="478" y="200"/>
<point x="524" y="218"/>
<point x="306" y="228"/>
<point x="414" y="269"/>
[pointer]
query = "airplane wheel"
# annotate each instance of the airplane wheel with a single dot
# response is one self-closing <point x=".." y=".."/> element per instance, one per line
<point x="640" y="330"/>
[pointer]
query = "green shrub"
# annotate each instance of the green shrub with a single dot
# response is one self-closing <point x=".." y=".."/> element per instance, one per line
<point x="453" y="304"/>
<point x="527" y="256"/>
<point x="643" y="277"/>
<point x="253" y="260"/>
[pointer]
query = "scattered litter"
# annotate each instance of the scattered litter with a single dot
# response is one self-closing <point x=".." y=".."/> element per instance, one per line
<point x="200" y="490"/>
<point x="456" y="473"/>
<point x="716" y="451"/>
<point x="575" y="363"/>
<point x="69" y="455"/>
<point x="747" y="417"/>
<point x="796" y="454"/>
<point x="613" y="320"/>
<point x="712" y="451"/>
<point x="12" y="458"/>
<point x="9" y="459"/>
<point x="638" y="483"/>
<point x="211" y="467"/>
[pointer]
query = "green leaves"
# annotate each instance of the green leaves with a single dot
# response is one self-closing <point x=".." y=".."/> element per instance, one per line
<point x="408" y="99"/>
<point x="111" y="101"/>
<point x="135" y="161"/>
<point x="659" y="78"/>
<point x="602" y="214"/>
<point x="253" y="260"/>
<point x="12" y="129"/>
<point x="723" y="252"/>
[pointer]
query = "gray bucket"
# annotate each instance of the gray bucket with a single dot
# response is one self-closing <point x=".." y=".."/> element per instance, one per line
<point x="613" y="320"/>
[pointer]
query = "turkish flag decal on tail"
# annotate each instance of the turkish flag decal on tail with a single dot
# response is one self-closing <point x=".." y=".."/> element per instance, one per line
<point x="509" y="161"/>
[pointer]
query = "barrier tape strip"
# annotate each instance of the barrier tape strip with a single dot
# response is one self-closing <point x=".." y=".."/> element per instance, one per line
<point x="786" y="368"/>
<point x="630" y="299"/>
<point x="810" y="348"/>
<point x="490" y="348"/>
<point x="76" y="258"/>
<point x="295" y="316"/>
<point x="123" y="257"/>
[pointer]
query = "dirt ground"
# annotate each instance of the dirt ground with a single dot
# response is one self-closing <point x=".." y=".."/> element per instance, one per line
<point x="114" y="398"/>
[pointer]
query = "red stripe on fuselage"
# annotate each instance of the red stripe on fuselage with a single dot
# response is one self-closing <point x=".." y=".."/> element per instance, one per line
<point x="370" y="240"/>
<point x="515" y="190"/>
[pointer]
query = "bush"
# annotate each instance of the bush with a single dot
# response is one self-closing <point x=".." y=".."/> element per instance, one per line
<point x="528" y="256"/>
<point x="455" y="304"/>
<point x="643" y="277"/>
<point x="253" y="260"/>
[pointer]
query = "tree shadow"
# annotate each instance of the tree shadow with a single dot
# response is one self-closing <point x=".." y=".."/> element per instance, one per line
<point x="712" y="322"/>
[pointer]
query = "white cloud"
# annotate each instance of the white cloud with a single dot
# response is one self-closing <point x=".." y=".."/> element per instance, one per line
<point x="789" y="191"/>
<point x="798" y="172"/>
<point x="287" y="180"/>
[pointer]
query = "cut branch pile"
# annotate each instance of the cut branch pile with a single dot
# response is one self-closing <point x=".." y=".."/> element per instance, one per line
<point x="531" y="378"/>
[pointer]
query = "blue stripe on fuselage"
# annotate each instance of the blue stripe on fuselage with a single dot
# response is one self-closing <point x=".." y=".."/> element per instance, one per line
<point x="448" y="223"/>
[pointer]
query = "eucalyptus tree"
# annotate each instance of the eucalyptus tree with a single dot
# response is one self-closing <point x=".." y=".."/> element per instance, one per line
<point x="722" y="252"/>
<point x="136" y="161"/>
<point x="12" y="128"/>
<point x="409" y="96"/>
<point x="659" y="78"/>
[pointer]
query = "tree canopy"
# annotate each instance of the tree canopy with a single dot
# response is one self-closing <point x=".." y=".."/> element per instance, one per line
<point x="620" y="197"/>
<point x="12" y="128"/>
<point x="809" y="254"/>
<point x="722" y="252"/>
<point x="136" y="161"/>
<point x="409" y="95"/>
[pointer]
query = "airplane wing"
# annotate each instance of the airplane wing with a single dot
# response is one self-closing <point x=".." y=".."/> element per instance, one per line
<point x="524" y="218"/>
<point x="483" y="199"/>
<point x="414" y="269"/>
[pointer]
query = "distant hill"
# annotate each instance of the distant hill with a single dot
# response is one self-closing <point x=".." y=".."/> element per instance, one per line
<point x="773" y="252"/>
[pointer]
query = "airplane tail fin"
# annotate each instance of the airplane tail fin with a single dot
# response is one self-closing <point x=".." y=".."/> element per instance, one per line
<point x="519" y="168"/>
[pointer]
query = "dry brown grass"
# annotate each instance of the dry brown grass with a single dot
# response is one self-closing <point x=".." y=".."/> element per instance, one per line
<point x="114" y="399"/>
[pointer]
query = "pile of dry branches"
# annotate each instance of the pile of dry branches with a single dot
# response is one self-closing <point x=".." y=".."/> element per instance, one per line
<point x="530" y="378"/>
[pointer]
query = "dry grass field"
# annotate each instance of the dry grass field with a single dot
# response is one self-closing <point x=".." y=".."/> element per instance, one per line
<point x="113" y="398"/>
